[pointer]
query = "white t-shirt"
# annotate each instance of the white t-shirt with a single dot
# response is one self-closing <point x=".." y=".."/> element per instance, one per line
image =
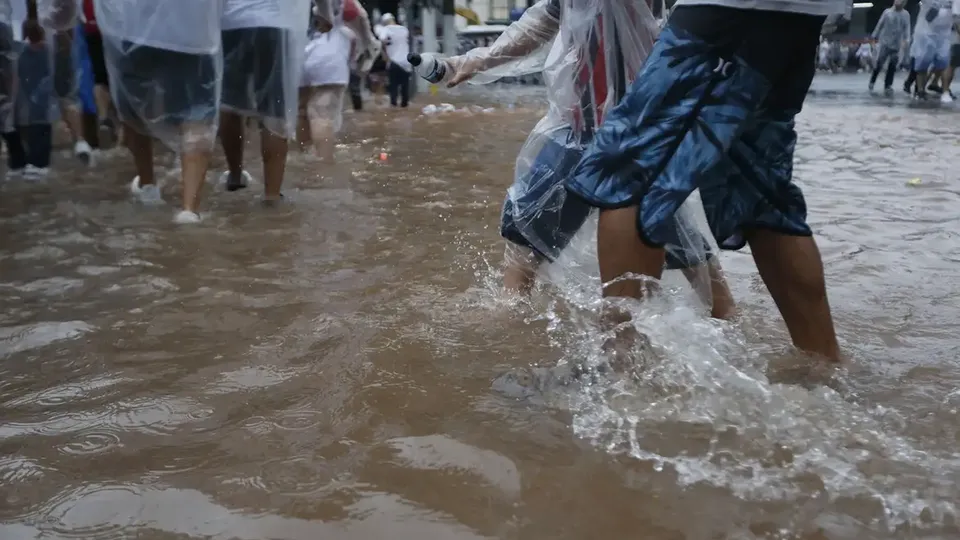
<point x="327" y="57"/>
<point x="262" y="13"/>
<point x="189" y="26"/>
<point x="396" y="41"/>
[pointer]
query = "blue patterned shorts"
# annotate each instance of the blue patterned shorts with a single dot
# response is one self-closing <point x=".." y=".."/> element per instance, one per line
<point x="712" y="109"/>
<point x="543" y="217"/>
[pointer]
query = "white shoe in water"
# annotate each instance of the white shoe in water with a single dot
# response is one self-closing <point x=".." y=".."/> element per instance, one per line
<point x="946" y="98"/>
<point x="149" y="194"/>
<point x="35" y="173"/>
<point x="83" y="152"/>
<point x="186" y="217"/>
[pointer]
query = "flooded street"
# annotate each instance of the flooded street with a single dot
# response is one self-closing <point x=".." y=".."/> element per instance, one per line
<point x="327" y="369"/>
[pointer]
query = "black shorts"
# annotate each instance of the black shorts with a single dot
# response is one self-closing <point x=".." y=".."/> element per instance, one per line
<point x="782" y="46"/>
<point x="152" y="85"/>
<point x="255" y="67"/>
<point x="955" y="55"/>
<point x="66" y="75"/>
<point x="97" y="63"/>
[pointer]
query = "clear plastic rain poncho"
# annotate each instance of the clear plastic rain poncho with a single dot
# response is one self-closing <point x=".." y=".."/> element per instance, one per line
<point x="932" y="33"/>
<point x="589" y="52"/>
<point x="263" y="46"/>
<point x="166" y="67"/>
<point x="8" y="66"/>
<point x="59" y="19"/>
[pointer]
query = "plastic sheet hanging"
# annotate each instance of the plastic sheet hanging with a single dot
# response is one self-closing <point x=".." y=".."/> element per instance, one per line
<point x="36" y="99"/>
<point x="589" y="51"/>
<point x="166" y="67"/>
<point x="932" y="33"/>
<point x="263" y="48"/>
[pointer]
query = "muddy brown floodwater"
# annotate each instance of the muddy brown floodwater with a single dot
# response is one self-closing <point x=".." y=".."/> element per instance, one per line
<point x="324" y="370"/>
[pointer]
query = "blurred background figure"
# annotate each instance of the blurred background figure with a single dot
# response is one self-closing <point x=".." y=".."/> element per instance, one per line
<point x="396" y="43"/>
<point x="892" y="34"/>
<point x="107" y="127"/>
<point x="59" y="17"/>
<point x="263" y="47"/>
<point x="36" y="104"/>
<point x="931" y="44"/>
<point x="865" y="56"/>
<point x="8" y="74"/>
<point x="166" y="67"/>
<point x="355" y="18"/>
<point x="329" y="58"/>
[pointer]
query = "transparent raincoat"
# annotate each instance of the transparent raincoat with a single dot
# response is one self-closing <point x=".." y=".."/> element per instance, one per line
<point x="59" y="19"/>
<point x="166" y="66"/>
<point x="36" y="100"/>
<point x="264" y="42"/>
<point x="932" y="32"/>
<point x="589" y="52"/>
<point x="8" y="66"/>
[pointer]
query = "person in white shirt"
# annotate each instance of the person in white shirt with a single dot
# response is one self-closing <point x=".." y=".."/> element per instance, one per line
<point x="166" y="68"/>
<point x="396" y="43"/>
<point x="329" y="58"/>
<point x="263" y="43"/>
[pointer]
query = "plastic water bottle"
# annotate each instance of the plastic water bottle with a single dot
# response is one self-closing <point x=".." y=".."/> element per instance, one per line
<point x="430" y="66"/>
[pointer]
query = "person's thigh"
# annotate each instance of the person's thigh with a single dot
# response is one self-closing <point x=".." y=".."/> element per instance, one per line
<point x="701" y="82"/>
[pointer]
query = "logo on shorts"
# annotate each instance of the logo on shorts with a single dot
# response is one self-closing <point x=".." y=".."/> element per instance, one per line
<point x="723" y="67"/>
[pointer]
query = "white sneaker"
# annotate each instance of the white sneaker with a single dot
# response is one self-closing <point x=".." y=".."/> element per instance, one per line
<point x="15" y="173"/>
<point x="83" y="152"/>
<point x="186" y="217"/>
<point x="149" y="194"/>
<point x="35" y="173"/>
<point x="946" y="98"/>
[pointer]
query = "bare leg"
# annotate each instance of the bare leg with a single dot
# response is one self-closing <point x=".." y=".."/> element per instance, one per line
<point x="231" y="138"/>
<point x="303" y="122"/>
<point x="519" y="269"/>
<point x="792" y="270"/>
<point x="921" y="83"/>
<point x="195" y="159"/>
<point x="141" y="147"/>
<point x="273" y="149"/>
<point x="947" y="78"/>
<point x="101" y="95"/>
<point x="73" y="118"/>
<point x="620" y="251"/>
<point x="622" y="254"/>
<point x="722" y="305"/>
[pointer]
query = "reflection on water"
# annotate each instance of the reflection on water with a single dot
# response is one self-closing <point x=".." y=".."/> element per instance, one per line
<point x="324" y="369"/>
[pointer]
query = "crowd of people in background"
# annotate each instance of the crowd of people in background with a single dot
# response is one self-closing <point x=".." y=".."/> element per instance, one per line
<point x="928" y="49"/>
<point x="189" y="75"/>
